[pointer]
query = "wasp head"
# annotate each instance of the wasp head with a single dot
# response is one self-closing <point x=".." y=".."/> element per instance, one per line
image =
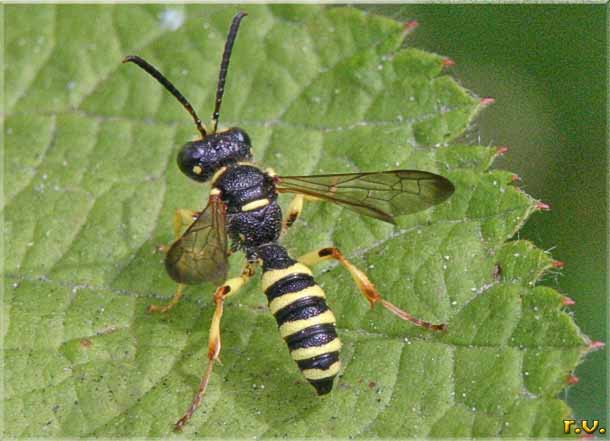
<point x="200" y="159"/>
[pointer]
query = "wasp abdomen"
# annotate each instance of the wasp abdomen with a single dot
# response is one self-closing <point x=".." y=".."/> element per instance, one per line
<point x="305" y="322"/>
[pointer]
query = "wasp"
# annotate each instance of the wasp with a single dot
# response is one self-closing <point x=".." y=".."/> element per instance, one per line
<point x="243" y="208"/>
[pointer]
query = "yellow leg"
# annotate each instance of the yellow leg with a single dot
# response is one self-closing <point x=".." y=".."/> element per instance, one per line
<point x="183" y="218"/>
<point x="173" y="302"/>
<point x="366" y="286"/>
<point x="229" y="288"/>
<point x="294" y="211"/>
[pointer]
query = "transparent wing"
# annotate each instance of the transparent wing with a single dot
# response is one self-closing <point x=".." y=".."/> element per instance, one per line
<point x="382" y="195"/>
<point x="200" y="255"/>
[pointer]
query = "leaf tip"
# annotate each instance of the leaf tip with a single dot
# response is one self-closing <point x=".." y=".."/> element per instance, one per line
<point x="487" y="101"/>
<point x="411" y="25"/>
<point x="595" y="345"/>
<point x="502" y="150"/>
<point x="572" y="379"/>
<point x="447" y="63"/>
<point x="558" y="264"/>
<point x="541" y="206"/>
<point x="567" y="301"/>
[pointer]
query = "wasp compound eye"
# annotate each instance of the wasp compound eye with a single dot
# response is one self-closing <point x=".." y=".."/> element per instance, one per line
<point x="193" y="162"/>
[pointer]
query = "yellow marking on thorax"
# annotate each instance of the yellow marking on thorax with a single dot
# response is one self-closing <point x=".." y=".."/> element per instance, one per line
<point x="314" y="351"/>
<point x="270" y="172"/>
<point x="289" y="298"/>
<point x="272" y="276"/>
<point x="251" y="164"/>
<point x="197" y="170"/>
<point x="290" y="328"/>
<point x="255" y="204"/>
<point x="218" y="174"/>
<point x="215" y="191"/>
<point x="319" y="374"/>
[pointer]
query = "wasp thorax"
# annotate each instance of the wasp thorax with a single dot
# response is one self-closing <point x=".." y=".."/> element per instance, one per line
<point x="199" y="160"/>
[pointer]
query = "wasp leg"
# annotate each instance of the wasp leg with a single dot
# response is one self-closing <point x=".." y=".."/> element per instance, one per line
<point x="173" y="302"/>
<point x="366" y="286"/>
<point x="294" y="211"/>
<point x="183" y="217"/>
<point x="229" y="288"/>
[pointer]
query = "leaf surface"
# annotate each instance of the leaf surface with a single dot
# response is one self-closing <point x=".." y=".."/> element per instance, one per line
<point x="91" y="187"/>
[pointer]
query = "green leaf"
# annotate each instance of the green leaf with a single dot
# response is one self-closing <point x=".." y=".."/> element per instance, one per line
<point x="91" y="188"/>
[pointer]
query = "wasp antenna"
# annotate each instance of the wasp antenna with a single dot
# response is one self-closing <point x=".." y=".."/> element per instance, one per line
<point x="169" y="86"/>
<point x="224" y="66"/>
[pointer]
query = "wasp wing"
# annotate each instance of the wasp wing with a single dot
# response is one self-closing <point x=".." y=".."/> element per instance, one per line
<point x="200" y="255"/>
<point x="382" y="195"/>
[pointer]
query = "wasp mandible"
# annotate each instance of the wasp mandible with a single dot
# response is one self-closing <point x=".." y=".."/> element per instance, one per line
<point x="242" y="207"/>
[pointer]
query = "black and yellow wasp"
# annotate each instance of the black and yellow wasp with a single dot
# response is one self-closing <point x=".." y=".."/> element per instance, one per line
<point x="243" y="206"/>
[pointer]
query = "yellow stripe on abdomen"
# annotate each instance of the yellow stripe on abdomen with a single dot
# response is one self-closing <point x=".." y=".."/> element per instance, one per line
<point x="288" y="299"/>
<point x="315" y="351"/>
<point x="303" y="317"/>
<point x="292" y="327"/>
<point x="272" y="276"/>
<point x="320" y="374"/>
